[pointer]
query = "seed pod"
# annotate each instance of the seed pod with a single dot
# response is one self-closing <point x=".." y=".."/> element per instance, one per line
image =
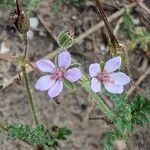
<point x="21" y="19"/>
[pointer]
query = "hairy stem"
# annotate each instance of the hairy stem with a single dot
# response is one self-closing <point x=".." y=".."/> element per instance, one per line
<point x="29" y="94"/>
<point x="100" y="102"/>
<point x="25" y="44"/>
<point x="128" y="143"/>
<point x="110" y="32"/>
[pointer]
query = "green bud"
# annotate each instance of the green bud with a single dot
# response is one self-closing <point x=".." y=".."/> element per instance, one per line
<point x="65" y="39"/>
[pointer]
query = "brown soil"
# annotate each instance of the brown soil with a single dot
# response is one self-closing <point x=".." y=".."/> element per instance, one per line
<point x="75" y="107"/>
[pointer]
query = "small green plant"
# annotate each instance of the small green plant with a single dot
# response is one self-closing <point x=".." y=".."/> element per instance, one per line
<point x="128" y="117"/>
<point x="6" y="4"/>
<point x="134" y="34"/>
<point x="39" y="135"/>
<point x="30" y="4"/>
<point x="127" y="25"/>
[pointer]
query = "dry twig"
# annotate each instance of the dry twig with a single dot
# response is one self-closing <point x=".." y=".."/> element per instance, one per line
<point x="140" y="80"/>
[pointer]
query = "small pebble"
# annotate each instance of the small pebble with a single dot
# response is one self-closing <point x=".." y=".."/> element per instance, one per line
<point x="103" y="48"/>
<point x="42" y="33"/>
<point x="136" y="21"/>
<point x="74" y="17"/>
<point x="30" y="34"/>
<point x="3" y="48"/>
<point x="34" y="22"/>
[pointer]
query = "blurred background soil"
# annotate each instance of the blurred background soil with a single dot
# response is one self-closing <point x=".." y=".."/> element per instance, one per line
<point x="76" y="107"/>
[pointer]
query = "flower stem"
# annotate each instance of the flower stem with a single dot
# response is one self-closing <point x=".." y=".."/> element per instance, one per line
<point x="128" y="143"/>
<point x="113" y="39"/>
<point x="99" y="101"/>
<point x="25" y="44"/>
<point x="29" y="94"/>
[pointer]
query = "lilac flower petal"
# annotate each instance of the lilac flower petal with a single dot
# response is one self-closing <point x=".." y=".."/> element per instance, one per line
<point x="73" y="74"/>
<point x="55" y="89"/>
<point x="94" y="69"/>
<point x="119" y="78"/>
<point x="44" y="83"/>
<point x="64" y="60"/>
<point x="45" y="65"/>
<point x="115" y="89"/>
<point x="95" y="85"/>
<point x="113" y="64"/>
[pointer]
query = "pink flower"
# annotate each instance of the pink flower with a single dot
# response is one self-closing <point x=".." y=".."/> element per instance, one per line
<point x="113" y="82"/>
<point x="53" y="81"/>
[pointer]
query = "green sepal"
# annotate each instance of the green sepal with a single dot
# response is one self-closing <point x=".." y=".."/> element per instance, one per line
<point x="69" y="85"/>
<point x="1" y="87"/>
<point x="76" y="65"/>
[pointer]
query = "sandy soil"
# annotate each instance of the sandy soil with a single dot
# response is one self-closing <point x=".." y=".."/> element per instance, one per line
<point x="76" y="107"/>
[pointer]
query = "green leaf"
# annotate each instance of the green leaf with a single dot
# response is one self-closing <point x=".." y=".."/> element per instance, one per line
<point x="110" y="137"/>
<point x="140" y="110"/>
<point x="63" y="133"/>
<point x="1" y="87"/>
<point x="38" y="135"/>
<point x="127" y="25"/>
<point x="69" y="85"/>
<point x="76" y="65"/>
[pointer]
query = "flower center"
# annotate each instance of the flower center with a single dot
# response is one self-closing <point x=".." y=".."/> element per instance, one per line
<point x="104" y="77"/>
<point x="58" y="73"/>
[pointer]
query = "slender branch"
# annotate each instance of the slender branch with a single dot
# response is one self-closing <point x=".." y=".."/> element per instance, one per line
<point x="25" y="44"/>
<point x="29" y="94"/>
<point x="99" y="101"/>
<point x="128" y="142"/>
<point x="110" y="32"/>
<point x="7" y="57"/>
<point x="143" y="76"/>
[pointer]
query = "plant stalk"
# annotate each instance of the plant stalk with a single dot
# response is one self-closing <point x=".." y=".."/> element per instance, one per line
<point x="100" y="102"/>
<point x="113" y="39"/>
<point x="29" y="94"/>
<point x="25" y="44"/>
<point x="128" y="143"/>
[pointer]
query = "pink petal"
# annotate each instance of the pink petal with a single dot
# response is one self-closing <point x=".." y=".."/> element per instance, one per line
<point x="44" y="83"/>
<point x="45" y="65"/>
<point x="94" y="69"/>
<point x="115" y="89"/>
<point x="55" y="89"/>
<point x="119" y="78"/>
<point x="95" y="85"/>
<point x="113" y="64"/>
<point x="64" y="60"/>
<point x="73" y="74"/>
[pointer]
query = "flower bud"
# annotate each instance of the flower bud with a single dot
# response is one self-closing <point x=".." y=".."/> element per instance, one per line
<point x="65" y="39"/>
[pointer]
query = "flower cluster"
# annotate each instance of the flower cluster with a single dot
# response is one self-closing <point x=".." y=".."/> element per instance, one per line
<point x="53" y="81"/>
